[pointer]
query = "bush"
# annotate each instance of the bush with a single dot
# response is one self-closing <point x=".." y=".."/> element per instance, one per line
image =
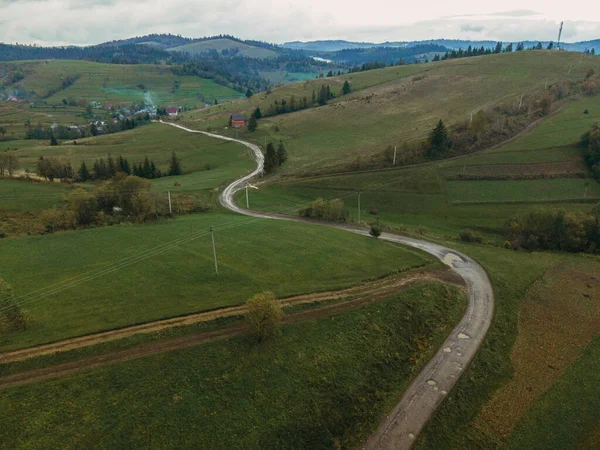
<point x="375" y="231"/>
<point x="186" y="204"/>
<point x="332" y="210"/>
<point x="554" y="230"/>
<point x="264" y="315"/>
<point x="468" y="235"/>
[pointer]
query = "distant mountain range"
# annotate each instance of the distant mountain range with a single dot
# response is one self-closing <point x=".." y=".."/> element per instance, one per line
<point x="457" y="44"/>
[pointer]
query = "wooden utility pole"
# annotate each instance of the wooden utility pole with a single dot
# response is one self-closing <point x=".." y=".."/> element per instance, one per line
<point x="170" y="208"/>
<point x="395" y="148"/>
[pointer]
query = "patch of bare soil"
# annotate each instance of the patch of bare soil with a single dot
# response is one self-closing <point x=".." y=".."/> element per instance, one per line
<point x="558" y="318"/>
<point x="357" y="297"/>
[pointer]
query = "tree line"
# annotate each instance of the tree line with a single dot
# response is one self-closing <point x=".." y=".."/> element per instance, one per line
<point x="53" y="168"/>
<point x="555" y="230"/>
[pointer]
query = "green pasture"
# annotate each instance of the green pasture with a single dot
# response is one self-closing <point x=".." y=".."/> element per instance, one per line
<point x="153" y="271"/>
<point x="19" y="195"/>
<point x="322" y="383"/>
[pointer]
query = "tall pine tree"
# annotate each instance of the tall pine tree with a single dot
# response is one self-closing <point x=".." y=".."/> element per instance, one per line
<point x="270" y="158"/>
<point x="281" y="153"/>
<point x="174" y="165"/>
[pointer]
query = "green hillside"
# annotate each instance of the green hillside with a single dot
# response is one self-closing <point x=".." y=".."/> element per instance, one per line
<point x="541" y="169"/>
<point x="219" y="45"/>
<point x="114" y="83"/>
<point x="396" y="105"/>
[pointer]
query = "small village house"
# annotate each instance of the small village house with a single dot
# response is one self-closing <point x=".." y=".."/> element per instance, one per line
<point x="172" y="112"/>
<point x="237" y="120"/>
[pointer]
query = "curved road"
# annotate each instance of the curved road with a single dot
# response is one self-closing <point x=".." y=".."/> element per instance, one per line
<point x="420" y="400"/>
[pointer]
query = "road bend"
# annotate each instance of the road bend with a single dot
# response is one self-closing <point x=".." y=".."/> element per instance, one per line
<point x="399" y="429"/>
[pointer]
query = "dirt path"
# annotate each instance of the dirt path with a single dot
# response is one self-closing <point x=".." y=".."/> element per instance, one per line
<point x="429" y="388"/>
<point x="382" y="286"/>
<point x="357" y="297"/>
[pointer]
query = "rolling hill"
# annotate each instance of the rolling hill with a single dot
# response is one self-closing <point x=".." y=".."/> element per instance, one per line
<point x="225" y="47"/>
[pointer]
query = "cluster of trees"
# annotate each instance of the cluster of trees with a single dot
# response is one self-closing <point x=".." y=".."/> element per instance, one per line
<point x="555" y="230"/>
<point x="590" y="142"/>
<point x="274" y="158"/>
<point x="386" y="56"/>
<point x="283" y="106"/>
<point x="331" y="210"/>
<point x="499" y="48"/>
<point x="8" y="163"/>
<point x="123" y="198"/>
<point x="53" y="168"/>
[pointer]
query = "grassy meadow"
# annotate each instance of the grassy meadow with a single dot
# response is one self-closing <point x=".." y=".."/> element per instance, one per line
<point x="157" y="141"/>
<point x="431" y="196"/>
<point x="244" y="50"/>
<point x="394" y="105"/>
<point x="110" y="277"/>
<point x="118" y="83"/>
<point x="322" y="383"/>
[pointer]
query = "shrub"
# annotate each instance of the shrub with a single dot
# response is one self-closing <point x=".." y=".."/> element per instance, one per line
<point x="468" y="235"/>
<point x="375" y="231"/>
<point x="186" y="204"/>
<point x="264" y="315"/>
<point x="332" y="210"/>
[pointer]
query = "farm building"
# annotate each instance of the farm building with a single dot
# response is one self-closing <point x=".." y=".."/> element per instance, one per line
<point x="172" y="111"/>
<point x="237" y="120"/>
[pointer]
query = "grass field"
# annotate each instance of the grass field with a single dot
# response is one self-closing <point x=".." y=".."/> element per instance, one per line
<point x="254" y="255"/>
<point x="17" y="195"/>
<point x="430" y="196"/>
<point x="157" y="141"/>
<point x="245" y="50"/>
<point x="118" y="83"/>
<point x="323" y="383"/>
<point x="567" y="416"/>
<point x="394" y="105"/>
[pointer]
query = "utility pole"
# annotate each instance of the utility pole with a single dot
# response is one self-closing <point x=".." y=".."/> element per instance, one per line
<point x="247" y="200"/>
<point x="170" y="208"/>
<point x="520" y="103"/>
<point x="359" y="207"/>
<point x="395" y="148"/>
<point x="212" y="233"/>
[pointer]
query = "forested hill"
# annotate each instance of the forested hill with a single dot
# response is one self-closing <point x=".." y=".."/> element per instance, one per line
<point x="386" y="55"/>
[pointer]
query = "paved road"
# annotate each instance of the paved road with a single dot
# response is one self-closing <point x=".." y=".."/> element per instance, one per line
<point x="400" y="428"/>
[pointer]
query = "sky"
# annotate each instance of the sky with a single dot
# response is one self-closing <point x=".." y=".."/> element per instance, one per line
<point x="86" y="22"/>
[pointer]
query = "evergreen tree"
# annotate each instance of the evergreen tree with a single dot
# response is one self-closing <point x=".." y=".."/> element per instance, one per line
<point x="252" y="124"/>
<point x="68" y="170"/>
<point x="498" y="48"/>
<point x="323" y="95"/>
<point x="346" y="88"/>
<point x="174" y="165"/>
<point x="509" y="48"/>
<point x="124" y="165"/>
<point x="270" y="158"/>
<point x="281" y="153"/>
<point x="249" y="93"/>
<point x="53" y="140"/>
<point x="111" y="168"/>
<point x="439" y="141"/>
<point x="153" y="172"/>
<point x="147" y="170"/>
<point x="84" y="174"/>
<point x="550" y="46"/>
<point x="520" y="47"/>
<point x="538" y="46"/>
<point x="257" y="113"/>
<point x="94" y="130"/>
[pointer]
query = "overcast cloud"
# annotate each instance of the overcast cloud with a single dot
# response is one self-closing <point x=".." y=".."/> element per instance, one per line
<point x="84" y="22"/>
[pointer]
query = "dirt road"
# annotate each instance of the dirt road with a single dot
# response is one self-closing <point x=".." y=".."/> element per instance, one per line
<point x="400" y="428"/>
